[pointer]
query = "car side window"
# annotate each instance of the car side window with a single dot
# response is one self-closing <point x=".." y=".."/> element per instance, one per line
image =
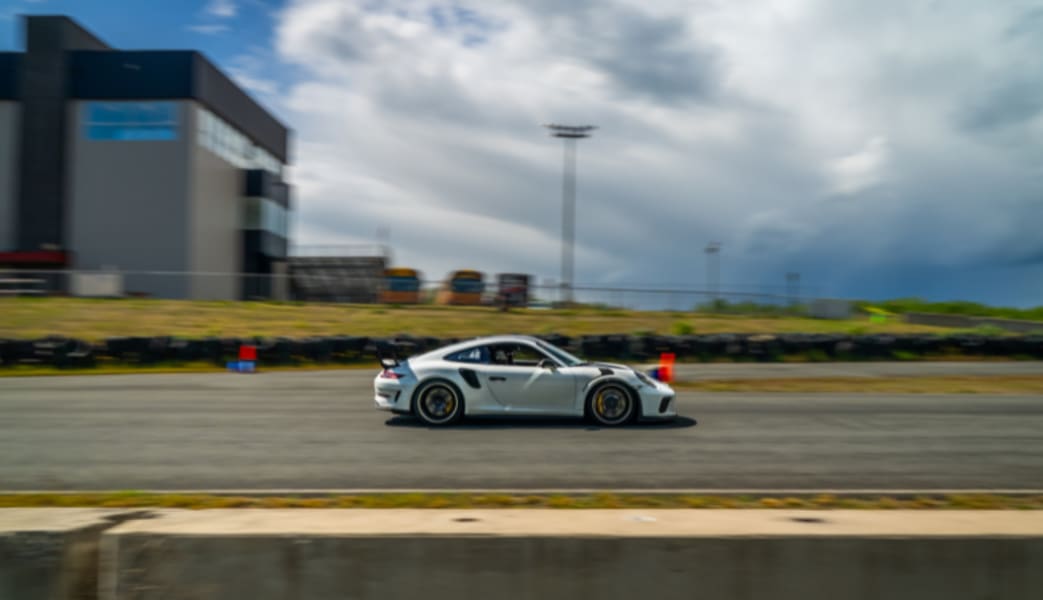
<point x="478" y="354"/>
<point x="518" y="355"/>
<point x="501" y="354"/>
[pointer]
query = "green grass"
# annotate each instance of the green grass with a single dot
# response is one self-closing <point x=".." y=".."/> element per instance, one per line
<point x="94" y="320"/>
<point x="971" y="309"/>
<point x="132" y="499"/>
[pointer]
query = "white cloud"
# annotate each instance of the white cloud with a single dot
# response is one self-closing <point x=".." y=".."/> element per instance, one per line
<point x="738" y="122"/>
<point x="222" y="8"/>
<point x="252" y="70"/>
<point x="859" y="171"/>
<point x="255" y="84"/>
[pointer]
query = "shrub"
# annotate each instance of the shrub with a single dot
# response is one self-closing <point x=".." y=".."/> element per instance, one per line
<point x="682" y="328"/>
<point x="989" y="331"/>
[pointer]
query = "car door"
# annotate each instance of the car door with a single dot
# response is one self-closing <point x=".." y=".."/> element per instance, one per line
<point x="522" y="386"/>
<point x="472" y="364"/>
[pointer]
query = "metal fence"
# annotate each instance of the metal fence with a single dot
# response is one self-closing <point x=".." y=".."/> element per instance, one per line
<point x="288" y="286"/>
<point x="673" y="298"/>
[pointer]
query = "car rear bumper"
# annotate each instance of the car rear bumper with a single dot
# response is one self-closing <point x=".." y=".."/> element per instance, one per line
<point x="391" y="395"/>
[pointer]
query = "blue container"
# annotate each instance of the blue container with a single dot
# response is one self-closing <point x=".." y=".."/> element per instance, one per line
<point x="242" y="366"/>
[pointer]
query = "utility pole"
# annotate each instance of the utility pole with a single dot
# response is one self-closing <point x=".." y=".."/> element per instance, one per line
<point x="713" y="269"/>
<point x="569" y="134"/>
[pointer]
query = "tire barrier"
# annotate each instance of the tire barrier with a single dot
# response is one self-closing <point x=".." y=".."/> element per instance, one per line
<point x="63" y="352"/>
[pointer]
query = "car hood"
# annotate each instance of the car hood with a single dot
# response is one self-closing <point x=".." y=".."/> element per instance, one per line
<point x="614" y="366"/>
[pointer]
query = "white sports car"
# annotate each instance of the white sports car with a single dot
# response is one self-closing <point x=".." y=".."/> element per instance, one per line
<point x="517" y="375"/>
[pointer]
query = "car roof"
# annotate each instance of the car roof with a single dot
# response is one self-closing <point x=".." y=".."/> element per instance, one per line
<point x="478" y="341"/>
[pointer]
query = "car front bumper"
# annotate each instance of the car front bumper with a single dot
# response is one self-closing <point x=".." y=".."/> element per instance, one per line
<point x="658" y="403"/>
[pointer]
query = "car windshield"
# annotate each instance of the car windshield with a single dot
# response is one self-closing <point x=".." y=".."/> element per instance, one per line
<point x="568" y="359"/>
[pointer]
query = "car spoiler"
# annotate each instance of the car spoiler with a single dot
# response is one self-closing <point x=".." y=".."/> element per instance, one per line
<point x="387" y="356"/>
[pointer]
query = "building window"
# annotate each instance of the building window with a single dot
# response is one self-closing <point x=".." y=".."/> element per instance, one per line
<point x="275" y="219"/>
<point x="224" y="140"/>
<point x="266" y="215"/>
<point x="130" y="121"/>
<point x="252" y="217"/>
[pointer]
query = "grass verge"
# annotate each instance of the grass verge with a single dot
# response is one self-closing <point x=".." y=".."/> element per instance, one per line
<point x="956" y="384"/>
<point x="95" y="319"/>
<point x="563" y="501"/>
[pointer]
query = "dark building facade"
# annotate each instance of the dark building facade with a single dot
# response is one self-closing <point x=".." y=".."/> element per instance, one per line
<point x="148" y="162"/>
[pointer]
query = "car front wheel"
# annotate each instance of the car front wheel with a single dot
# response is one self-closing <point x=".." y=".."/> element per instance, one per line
<point x="611" y="404"/>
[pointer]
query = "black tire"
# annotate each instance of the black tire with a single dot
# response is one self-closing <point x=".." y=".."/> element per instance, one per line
<point x="612" y="404"/>
<point x="438" y="403"/>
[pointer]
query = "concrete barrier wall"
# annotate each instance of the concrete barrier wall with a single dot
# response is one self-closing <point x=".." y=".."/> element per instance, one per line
<point x="544" y="554"/>
<point x="549" y="555"/>
<point x="602" y="568"/>
<point x="51" y="554"/>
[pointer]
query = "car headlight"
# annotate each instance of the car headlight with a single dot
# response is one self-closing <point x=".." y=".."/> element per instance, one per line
<point x="645" y="379"/>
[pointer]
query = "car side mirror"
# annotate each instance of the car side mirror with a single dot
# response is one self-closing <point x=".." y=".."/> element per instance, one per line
<point x="547" y="363"/>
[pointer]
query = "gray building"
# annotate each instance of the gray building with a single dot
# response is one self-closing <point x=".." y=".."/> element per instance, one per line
<point x="138" y="161"/>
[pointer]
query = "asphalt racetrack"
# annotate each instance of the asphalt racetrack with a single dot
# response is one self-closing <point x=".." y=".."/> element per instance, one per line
<point x="318" y="430"/>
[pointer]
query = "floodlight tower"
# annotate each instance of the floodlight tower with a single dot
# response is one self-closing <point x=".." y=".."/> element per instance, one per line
<point x="569" y="134"/>
<point x="713" y="268"/>
<point x="793" y="287"/>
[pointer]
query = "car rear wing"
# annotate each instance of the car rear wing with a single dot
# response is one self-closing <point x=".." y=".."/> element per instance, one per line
<point x="387" y="356"/>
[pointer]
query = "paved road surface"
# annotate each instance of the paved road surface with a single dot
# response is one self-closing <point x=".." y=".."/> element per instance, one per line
<point x="317" y="430"/>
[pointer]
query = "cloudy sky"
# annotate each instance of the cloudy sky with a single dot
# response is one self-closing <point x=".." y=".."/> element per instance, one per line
<point x="880" y="149"/>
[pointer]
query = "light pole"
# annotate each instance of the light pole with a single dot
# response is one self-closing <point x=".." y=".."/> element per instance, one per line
<point x="569" y="134"/>
<point x="384" y="242"/>
<point x="793" y="288"/>
<point x="713" y="269"/>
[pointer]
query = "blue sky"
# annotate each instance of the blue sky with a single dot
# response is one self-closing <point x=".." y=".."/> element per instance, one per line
<point x="157" y="24"/>
<point x="225" y="31"/>
<point x="880" y="149"/>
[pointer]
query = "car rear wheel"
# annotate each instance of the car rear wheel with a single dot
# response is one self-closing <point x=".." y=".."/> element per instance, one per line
<point x="611" y="404"/>
<point x="439" y="403"/>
